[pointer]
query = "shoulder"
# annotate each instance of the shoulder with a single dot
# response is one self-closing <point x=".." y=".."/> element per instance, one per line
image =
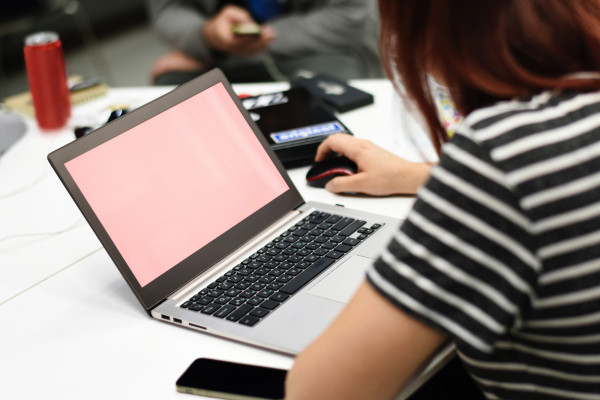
<point x="523" y="131"/>
<point x="508" y="121"/>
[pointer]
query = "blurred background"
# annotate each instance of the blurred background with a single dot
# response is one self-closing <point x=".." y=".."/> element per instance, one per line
<point x="107" y="38"/>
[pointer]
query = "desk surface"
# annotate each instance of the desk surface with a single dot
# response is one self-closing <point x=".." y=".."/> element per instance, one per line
<point x="70" y="327"/>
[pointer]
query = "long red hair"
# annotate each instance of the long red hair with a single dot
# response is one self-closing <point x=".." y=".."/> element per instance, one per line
<point x="487" y="50"/>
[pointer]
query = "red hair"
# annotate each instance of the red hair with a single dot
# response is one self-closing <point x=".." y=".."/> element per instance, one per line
<point x="487" y="50"/>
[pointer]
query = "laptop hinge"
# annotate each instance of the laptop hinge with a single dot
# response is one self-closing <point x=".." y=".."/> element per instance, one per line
<point x="225" y="263"/>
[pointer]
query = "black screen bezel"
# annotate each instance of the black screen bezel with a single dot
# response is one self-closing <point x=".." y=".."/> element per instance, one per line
<point x="156" y="291"/>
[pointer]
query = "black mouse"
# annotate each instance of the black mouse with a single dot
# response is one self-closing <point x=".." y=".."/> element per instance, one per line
<point x="324" y="171"/>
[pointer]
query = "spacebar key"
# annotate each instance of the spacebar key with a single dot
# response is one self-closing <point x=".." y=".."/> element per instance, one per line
<point x="309" y="273"/>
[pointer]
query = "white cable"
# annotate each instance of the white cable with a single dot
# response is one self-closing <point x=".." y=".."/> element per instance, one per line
<point x="46" y="235"/>
<point x="51" y="275"/>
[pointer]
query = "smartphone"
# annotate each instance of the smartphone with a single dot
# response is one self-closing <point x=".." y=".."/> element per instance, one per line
<point x="246" y="29"/>
<point x="229" y="380"/>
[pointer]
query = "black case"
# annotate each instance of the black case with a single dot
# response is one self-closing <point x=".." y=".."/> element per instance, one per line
<point x="294" y="122"/>
<point x="334" y="92"/>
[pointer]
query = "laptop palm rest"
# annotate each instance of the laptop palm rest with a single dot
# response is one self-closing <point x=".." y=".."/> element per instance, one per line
<point x="341" y="283"/>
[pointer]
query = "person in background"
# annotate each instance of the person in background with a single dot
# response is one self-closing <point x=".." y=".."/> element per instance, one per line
<point x="501" y="251"/>
<point x="336" y="37"/>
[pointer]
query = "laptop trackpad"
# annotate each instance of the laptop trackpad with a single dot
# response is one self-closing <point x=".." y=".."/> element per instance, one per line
<point x="341" y="284"/>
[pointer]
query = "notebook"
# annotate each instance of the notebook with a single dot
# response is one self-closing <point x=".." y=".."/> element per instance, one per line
<point x="205" y="225"/>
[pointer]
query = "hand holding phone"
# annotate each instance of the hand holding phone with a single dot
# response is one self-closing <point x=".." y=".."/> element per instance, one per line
<point x="229" y="380"/>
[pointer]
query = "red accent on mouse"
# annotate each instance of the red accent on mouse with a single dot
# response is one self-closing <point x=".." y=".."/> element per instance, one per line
<point x="324" y="171"/>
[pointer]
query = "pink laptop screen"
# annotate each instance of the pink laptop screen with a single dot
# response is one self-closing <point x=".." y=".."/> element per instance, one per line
<point x="167" y="187"/>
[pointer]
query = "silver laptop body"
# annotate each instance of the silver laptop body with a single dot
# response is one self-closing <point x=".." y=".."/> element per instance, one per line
<point x="104" y="186"/>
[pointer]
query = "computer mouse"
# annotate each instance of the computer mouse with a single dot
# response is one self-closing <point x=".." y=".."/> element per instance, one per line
<point x="324" y="171"/>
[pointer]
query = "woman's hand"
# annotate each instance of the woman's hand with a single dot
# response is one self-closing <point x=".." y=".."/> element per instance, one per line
<point x="380" y="173"/>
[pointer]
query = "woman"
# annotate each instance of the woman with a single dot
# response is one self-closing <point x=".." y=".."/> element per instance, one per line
<point x="501" y="252"/>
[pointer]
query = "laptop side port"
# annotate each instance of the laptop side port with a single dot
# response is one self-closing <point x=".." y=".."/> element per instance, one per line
<point x="177" y="320"/>
<point x="163" y="316"/>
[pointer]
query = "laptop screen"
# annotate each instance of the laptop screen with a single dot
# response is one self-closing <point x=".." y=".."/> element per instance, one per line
<point x="175" y="186"/>
<point x="174" y="183"/>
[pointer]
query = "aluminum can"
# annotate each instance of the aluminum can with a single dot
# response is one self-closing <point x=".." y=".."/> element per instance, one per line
<point x="45" y="63"/>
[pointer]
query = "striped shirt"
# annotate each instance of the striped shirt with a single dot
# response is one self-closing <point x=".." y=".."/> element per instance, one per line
<point x="502" y="248"/>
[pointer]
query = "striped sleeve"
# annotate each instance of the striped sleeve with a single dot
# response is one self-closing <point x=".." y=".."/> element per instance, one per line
<point x="463" y="260"/>
<point x="502" y="248"/>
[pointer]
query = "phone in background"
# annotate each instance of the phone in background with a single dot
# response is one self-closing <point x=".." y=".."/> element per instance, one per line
<point x="229" y="380"/>
<point x="251" y="29"/>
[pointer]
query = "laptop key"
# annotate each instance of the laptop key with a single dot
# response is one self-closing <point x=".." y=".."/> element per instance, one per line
<point x="274" y="285"/>
<point x="344" y="248"/>
<point x="267" y="279"/>
<point x="280" y="297"/>
<point x="186" y="304"/>
<point x="309" y="273"/>
<point x="249" y="320"/>
<point x="333" y="219"/>
<point x="223" y="300"/>
<point x="233" y="292"/>
<point x="259" y="312"/>
<point x="334" y="254"/>
<point x="342" y="223"/>
<point x="277" y="271"/>
<point x="320" y="217"/>
<point x="224" y="311"/>
<point x="322" y="251"/>
<point x="215" y="293"/>
<point x="210" y="309"/>
<point x="205" y="300"/>
<point x="285" y="278"/>
<point x="238" y="301"/>
<point x="235" y="278"/>
<point x="351" y="241"/>
<point x="225" y="286"/>
<point x="252" y="278"/>
<point x="303" y="265"/>
<point x="242" y="285"/>
<point x="350" y="229"/>
<point x="270" y="304"/>
<point x="248" y="293"/>
<point x="239" y="313"/>
<point x="258" y="286"/>
<point x="266" y="293"/>
<point x="337" y="238"/>
<point x="256" y="300"/>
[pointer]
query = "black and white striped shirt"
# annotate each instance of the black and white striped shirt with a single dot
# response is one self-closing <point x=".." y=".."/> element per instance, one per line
<point x="502" y="248"/>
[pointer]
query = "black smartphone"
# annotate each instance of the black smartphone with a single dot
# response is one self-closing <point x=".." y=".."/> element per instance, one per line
<point x="229" y="380"/>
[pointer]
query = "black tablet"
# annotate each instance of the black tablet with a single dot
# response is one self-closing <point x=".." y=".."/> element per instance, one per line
<point x="294" y="123"/>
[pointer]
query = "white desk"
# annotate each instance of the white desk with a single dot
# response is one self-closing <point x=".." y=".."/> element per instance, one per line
<point x="70" y="328"/>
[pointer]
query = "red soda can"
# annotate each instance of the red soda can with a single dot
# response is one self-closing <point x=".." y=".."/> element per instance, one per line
<point x="47" y="76"/>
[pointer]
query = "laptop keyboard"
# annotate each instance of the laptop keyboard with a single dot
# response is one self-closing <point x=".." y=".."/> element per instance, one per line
<point x="251" y="290"/>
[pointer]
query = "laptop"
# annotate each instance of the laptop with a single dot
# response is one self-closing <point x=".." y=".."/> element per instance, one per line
<point x="203" y="222"/>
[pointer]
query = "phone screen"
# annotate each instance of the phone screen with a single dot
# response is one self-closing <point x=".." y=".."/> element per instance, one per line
<point x="223" y="379"/>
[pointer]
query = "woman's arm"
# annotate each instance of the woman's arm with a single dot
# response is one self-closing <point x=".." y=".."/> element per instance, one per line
<point x="369" y="352"/>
